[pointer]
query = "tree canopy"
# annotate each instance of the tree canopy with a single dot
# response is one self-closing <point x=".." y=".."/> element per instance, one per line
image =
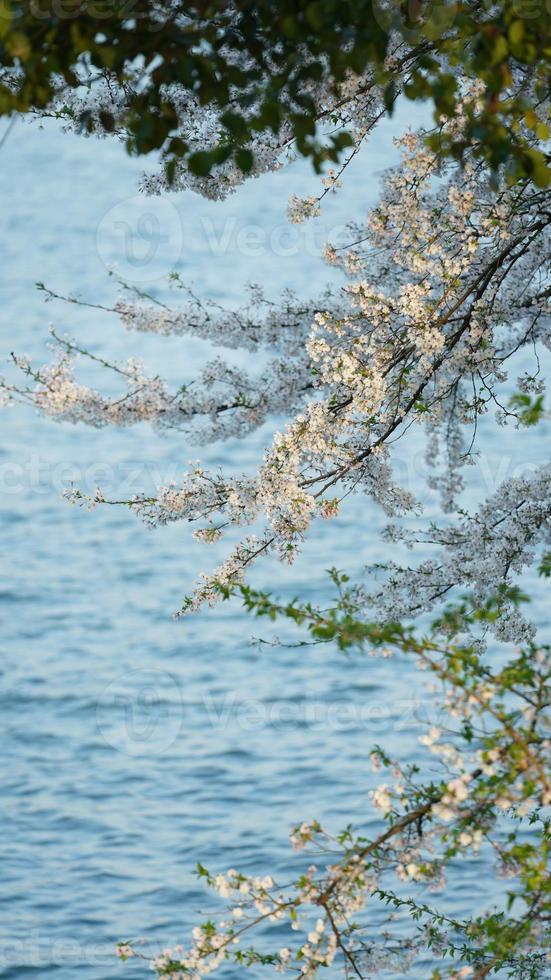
<point x="281" y="67"/>
<point x="441" y="322"/>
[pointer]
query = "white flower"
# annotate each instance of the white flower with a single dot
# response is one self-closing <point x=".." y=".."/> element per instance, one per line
<point x="381" y="798"/>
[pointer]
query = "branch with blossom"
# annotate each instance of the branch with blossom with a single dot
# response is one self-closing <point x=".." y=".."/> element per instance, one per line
<point x="483" y="794"/>
<point x="447" y="282"/>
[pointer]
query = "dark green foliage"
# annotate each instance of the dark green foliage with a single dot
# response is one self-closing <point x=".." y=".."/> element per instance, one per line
<point x="263" y="58"/>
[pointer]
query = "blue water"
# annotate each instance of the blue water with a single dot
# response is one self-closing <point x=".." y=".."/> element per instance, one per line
<point x="135" y="745"/>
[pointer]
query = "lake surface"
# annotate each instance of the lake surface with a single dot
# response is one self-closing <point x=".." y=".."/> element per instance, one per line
<point x="135" y="745"/>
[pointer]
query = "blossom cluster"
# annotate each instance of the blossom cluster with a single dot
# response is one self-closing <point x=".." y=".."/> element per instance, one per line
<point x="488" y="778"/>
<point x="447" y="284"/>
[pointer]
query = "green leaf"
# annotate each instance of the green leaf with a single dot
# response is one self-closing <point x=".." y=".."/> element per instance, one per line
<point x="244" y="159"/>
